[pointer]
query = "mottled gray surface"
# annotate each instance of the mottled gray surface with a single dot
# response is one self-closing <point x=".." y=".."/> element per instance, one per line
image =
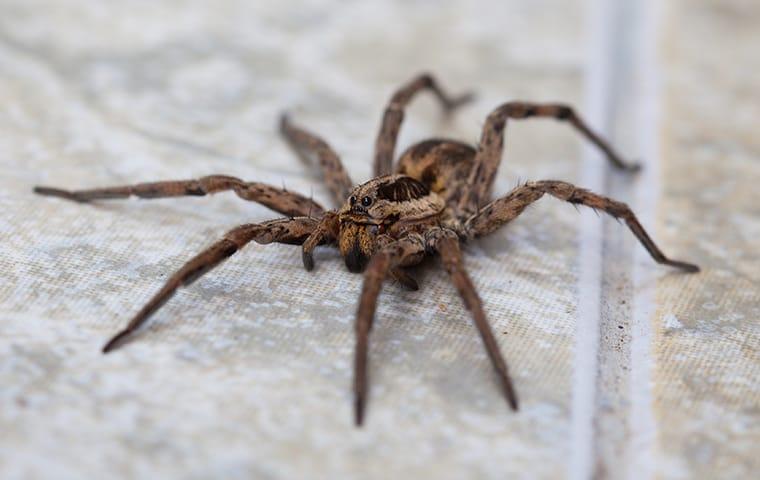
<point x="707" y="346"/>
<point x="246" y="374"/>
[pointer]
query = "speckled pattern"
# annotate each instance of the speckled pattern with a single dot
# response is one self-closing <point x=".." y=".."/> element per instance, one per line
<point x="246" y="374"/>
<point x="707" y="344"/>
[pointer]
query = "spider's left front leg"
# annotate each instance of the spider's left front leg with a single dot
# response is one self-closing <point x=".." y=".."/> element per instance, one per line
<point x="408" y="250"/>
<point x="285" y="230"/>
<point x="505" y="209"/>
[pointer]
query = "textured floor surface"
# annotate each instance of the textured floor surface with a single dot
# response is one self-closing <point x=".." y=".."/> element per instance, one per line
<point x="625" y="369"/>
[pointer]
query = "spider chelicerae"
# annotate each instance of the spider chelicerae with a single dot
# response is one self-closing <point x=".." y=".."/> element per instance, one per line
<point x="438" y="198"/>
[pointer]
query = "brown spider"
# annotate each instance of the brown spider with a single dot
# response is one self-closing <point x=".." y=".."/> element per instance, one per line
<point x="438" y="198"/>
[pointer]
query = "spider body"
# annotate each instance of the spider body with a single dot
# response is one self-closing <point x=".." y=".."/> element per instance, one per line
<point x="430" y="179"/>
<point x="438" y="198"/>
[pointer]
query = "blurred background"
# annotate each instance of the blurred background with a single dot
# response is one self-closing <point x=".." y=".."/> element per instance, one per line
<point x="625" y="369"/>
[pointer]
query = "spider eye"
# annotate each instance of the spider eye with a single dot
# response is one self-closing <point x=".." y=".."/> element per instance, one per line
<point x="352" y="199"/>
<point x="367" y="201"/>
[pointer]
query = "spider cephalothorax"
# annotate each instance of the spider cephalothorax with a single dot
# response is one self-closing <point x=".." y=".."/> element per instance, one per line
<point x="438" y="197"/>
<point x="379" y="209"/>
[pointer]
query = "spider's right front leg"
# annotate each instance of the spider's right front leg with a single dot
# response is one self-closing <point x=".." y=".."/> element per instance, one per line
<point x="278" y="199"/>
<point x="286" y="230"/>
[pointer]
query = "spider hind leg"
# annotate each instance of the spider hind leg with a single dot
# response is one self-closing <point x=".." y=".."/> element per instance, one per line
<point x="385" y="145"/>
<point x="306" y="143"/>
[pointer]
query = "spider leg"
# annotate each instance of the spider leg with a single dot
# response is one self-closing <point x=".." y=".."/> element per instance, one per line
<point x="278" y="199"/>
<point x="404" y="251"/>
<point x="505" y="209"/>
<point x="398" y="273"/>
<point x="286" y="230"/>
<point x="402" y="277"/>
<point x="334" y="173"/>
<point x="446" y="243"/>
<point x="326" y="231"/>
<point x="385" y="145"/>
<point x="492" y="145"/>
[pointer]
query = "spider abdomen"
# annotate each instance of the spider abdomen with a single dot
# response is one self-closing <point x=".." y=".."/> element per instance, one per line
<point x="441" y="165"/>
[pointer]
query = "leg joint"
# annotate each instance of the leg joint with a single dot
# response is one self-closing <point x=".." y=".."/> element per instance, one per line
<point x="564" y="112"/>
<point x="426" y="80"/>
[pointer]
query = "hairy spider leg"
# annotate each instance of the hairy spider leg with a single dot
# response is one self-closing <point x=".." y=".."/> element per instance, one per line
<point x="491" y="146"/>
<point x="326" y="231"/>
<point x="446" y="243"/>
<point x="285" y="230"/>
<point x="305" y="143"/>
<point x="505" y="209"/>
<point x="278" y="199"/>
<point x="405" y="251"/>
<point x="385" y="145"/>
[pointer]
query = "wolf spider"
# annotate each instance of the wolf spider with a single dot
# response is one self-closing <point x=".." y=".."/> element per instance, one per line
<point x="438" y="198"/>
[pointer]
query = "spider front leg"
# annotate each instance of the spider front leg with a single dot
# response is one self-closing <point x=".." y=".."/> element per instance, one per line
<point x="446" y="243"/>
<point x="304" y="142"/>
<point x="286" y="230"/>
<point x="326" y="231"/>
<point x="385" y="145"/>
<point x="491" y="146"/>
<point x="278" y="199"/>
<point x="501" y="211"/>
<point x="406" y="251"/>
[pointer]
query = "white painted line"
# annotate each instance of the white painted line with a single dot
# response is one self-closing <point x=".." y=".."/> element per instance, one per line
<point x="598" y="72"/>
<point x="642" y="423"/>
